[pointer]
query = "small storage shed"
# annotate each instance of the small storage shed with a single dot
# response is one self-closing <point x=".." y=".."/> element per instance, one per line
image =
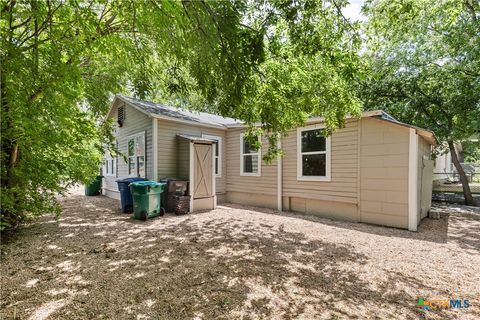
<point x="196" y="163"/>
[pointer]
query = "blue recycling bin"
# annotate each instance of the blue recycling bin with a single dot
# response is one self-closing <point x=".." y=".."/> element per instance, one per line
<point x="126" y="199"/>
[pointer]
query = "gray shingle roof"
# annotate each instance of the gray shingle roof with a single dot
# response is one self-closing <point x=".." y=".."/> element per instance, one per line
<point x="172" y="112"/>
<point x="211" y="119"/>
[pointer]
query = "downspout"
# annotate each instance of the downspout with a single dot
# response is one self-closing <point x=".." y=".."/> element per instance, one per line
<point x="214" y="178"/>
<point x="279" y="176"/>
<point x="190" y="174"/>
<point x="359" y="170"/>
<point x="155" y="148"/>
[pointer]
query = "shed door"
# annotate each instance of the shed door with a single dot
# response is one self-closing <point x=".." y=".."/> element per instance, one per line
<point x="203" y="171"/>
<point x="427" y="184"/>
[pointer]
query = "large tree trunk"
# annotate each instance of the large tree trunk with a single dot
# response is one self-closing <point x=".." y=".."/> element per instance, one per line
<point x="469" y="201"/>
<point x="460" y="153"/>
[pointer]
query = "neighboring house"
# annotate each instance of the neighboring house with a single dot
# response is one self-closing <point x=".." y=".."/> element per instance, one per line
<point x="444" y="167"/>
<point x="374" y="170"/>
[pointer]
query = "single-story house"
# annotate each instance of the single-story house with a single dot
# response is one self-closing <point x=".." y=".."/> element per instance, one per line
<point x="374" y="170"/>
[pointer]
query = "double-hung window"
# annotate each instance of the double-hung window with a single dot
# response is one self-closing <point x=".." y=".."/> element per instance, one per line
<point x="313" y="154"/>
<point x="110" y="165"/>
<point x="136" y="155"/>
<point x="250" y="158"/>
<point x="218" y="153"/>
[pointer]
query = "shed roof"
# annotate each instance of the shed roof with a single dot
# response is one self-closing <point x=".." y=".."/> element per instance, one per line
<point x="195" y="138"/>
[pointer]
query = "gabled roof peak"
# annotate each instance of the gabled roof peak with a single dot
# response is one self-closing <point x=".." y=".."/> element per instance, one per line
<point x="161" y="110"/>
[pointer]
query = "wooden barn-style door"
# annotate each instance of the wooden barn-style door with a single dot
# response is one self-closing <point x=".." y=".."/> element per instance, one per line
<point x="203" y="171"/>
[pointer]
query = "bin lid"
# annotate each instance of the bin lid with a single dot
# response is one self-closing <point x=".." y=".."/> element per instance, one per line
<point x="130" y="180"/>
<point x="146" y="183"/>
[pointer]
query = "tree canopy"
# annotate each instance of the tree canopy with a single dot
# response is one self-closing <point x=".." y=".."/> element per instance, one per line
<point x="425" y="66"/>
<point x="275" y="62"/>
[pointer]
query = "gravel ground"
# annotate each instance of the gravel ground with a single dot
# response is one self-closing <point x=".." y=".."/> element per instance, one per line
<point x="236" y="263"/>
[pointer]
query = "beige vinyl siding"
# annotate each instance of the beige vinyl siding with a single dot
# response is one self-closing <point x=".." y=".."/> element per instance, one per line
<point x="384" y="173"/>
<point x="336" y="198"/>
<point x="252" y="198"/>
<point x="266" y="184"/>
<point x="327" y="209"/>
<point x="109" y="183"/>
<point x="171" y="158"/>
<point x="344" y="157"/>
<point x="135" y="122"/>
<point x="115" y="194"/>
<point x="183" y="163"/>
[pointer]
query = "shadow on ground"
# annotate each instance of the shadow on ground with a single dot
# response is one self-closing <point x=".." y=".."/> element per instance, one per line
<point x="463" y="224"/>
<point x="459" y="225"/>
<point x="98" y="263"/>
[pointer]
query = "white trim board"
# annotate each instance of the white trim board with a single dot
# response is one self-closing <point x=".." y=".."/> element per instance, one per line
<point x="155" y="148"/>
<point x="214" y="180"/>
<point x="359" y="170"/>
<point x="191" y="183"/>
<point x="220" y="155"/>
<point x="412" y="180"/>
<point x="279" y="177"/>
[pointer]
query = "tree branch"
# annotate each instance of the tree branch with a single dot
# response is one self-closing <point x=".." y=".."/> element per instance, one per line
<point x="21" y="24"/>
<point x="9" y="6"/>
<point x="44" y="24"/>
<point x="471" y="9"/>
<point x="348" y="22"/>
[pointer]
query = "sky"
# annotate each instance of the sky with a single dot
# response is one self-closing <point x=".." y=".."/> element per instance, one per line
<point x="353" y="10"/>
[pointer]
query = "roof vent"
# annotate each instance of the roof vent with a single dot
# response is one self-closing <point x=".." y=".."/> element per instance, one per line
<point x="121" y="115"/>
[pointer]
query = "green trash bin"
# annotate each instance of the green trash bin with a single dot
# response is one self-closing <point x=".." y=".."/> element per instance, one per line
<point x="147" y="201"/>
<point x="94" y="187"/>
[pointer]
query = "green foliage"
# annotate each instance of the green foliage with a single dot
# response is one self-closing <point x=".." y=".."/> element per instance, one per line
<point x="425" y="63"/>
<point x="425" y="67"/>
<point x="61" y="62"/>
<point x="471" y="151"/>
<point x="308" y="67"/>
<point x="273" y="63"/>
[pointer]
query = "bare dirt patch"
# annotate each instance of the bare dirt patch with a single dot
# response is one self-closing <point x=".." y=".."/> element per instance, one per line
<point x="235" y="262"/>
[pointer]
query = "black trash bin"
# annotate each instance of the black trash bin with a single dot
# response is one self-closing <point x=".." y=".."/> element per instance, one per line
<point x="174" y="187"/>
<point x="126" y="200"/>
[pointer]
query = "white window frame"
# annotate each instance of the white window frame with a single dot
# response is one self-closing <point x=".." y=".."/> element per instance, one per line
<point x="327" y="152"/>
<point x="135" y="171"/>
<point x="219" y="157"/>
<point x="112" y="163"/>
<point x="242" y="157"/>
